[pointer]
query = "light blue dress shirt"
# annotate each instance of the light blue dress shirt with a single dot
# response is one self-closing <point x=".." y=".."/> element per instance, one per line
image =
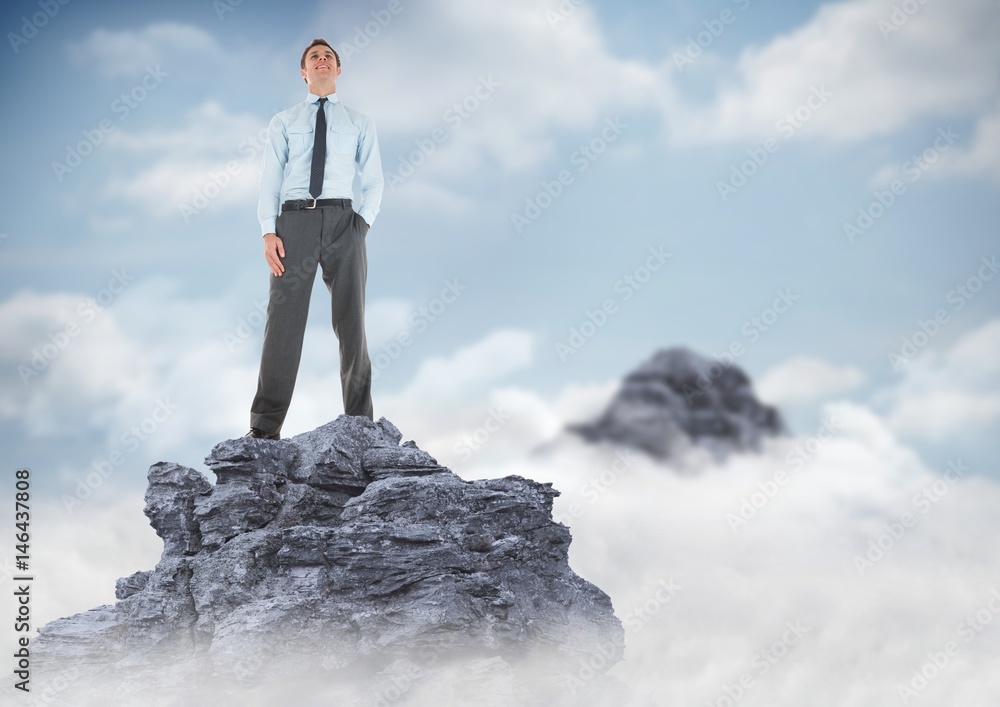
<point x="350" y="140"/>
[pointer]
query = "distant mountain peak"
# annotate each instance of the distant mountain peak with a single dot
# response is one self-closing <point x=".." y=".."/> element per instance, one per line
<point x="680" y="399"/>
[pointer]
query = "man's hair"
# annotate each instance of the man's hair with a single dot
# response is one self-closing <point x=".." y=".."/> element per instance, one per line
<point x="315" y="42"/>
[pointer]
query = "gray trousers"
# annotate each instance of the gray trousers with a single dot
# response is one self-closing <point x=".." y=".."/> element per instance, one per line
<point x="334" y="238"/>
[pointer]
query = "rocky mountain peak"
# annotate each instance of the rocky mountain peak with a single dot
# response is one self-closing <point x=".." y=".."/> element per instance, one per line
<point x="679" y="399"/>
<point x="341" y="566"/>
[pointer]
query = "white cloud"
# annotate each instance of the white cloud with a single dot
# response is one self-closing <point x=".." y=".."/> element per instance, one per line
<point x="443" y="380"/>
<point x="69" y="359"/>
<point x="78" y="555"/>
<point x="565" y="80"/>
<point x="123" y="368"/>
<point x="455" y="393"/>
<point x="805" y="378"/>
<point x="795" y="561"/>
<point x="212" y="160"/>
<point x="955" y="391"/>
<point x="421" y="194"/>
<point x="533" y="82"/>
<point x="521" y="110"/>
<point x="938" y="414"/>
<point x="940" y="64"/>
<point x="116" y="53"/>
<point x="386" y="319"/>
<point x="982" y="156"/>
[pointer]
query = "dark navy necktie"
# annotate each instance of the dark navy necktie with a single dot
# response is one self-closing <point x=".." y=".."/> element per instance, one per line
<point x="319" y="152"/>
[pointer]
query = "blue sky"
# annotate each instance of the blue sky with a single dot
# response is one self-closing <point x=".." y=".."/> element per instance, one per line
<point x="643" y="108"/>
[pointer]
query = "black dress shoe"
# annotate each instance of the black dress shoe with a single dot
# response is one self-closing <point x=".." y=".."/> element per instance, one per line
<point x="260" y="434"/>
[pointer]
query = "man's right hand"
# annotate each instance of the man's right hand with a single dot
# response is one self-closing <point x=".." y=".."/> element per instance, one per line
<point x="274" y="249"/>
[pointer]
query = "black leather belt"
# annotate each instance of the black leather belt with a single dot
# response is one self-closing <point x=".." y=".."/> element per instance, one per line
<point x="296" y="204"/>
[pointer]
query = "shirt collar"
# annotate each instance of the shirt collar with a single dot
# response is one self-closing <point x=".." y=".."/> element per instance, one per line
<point x="312" y="98"/>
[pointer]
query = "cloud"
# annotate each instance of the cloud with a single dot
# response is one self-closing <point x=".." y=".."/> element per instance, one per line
<point x="800" y="552"/>
<point x="442" y="380"/>
<point x="564" y="81"/>
<point x="68" y="361"/>
<point x="499" y="106"/>
<point x="109" y="373"/>
<point x="212" y="160"/>
<point x="791" y="600"/>
<point x="385" y="319"/>
<point x="804" y="378"/>
<point x="939" y="65"/>
<point x="115" y="53"/>
<point x="426" y="195"/>
<point x="95" y="545"/>
<point x="950" y="392"/>
<point x="982" y="156"/>
<point x="449" y="393"/>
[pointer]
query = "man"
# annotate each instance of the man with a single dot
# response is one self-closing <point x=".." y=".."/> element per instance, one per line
<point x="309" y="166"/>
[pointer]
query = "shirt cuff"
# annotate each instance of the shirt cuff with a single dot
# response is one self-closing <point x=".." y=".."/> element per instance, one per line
<point x="368" y="216"/>
<point x="267" y="227"/>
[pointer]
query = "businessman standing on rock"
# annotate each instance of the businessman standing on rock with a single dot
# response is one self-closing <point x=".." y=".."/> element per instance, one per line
<point x="310" y="158"/>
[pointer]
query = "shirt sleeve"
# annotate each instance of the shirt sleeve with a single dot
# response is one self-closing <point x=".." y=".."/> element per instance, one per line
<point x="271" y="174"/>
<point x="370" y="171"/>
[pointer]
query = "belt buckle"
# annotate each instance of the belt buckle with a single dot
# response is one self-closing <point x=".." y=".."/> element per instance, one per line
<point x="306" y="206"/>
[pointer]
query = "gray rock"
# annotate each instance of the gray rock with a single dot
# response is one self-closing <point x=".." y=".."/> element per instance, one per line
<point x="127" y="586"/>
<point x="678" y="400"/>
<point x="342" y="565"/>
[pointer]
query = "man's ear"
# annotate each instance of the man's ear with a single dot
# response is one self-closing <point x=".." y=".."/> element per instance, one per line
<point x="303" y="72"/>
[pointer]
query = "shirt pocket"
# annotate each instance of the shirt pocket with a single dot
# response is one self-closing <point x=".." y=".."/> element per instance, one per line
<point x="343" y="139"/>
<point x="300" y="140"/>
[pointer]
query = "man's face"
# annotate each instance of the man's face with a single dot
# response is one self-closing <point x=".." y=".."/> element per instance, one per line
<point x="321" y="65"/>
